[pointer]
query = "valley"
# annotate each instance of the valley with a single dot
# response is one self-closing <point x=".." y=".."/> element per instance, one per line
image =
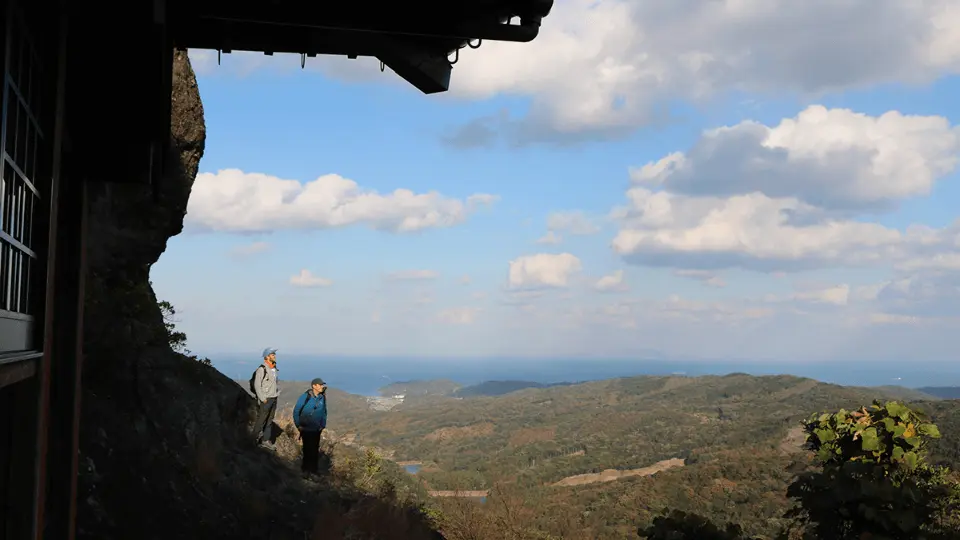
<point x="616" y="452"/>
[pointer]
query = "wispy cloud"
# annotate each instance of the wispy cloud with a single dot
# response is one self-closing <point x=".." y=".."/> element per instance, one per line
<point x="611" y="283"/>
<point x="248" y="250"/>
<point x="306" y="279"/>
<point x="551" y="238"/>
<point x="413" y="275"/>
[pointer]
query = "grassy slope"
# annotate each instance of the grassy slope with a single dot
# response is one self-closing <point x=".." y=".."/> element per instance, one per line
<point x="731" y="428"/>
<point x="943" y="392"/>
<point x="618" y="423"/>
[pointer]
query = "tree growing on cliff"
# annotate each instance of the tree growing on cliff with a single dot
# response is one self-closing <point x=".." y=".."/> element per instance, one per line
<point x="874" y="481"/>
<point x="177" y="339"/>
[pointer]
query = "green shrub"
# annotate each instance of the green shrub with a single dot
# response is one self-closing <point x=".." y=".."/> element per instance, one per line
<point x="874" y="480"/>
<point x="677" y="525"/>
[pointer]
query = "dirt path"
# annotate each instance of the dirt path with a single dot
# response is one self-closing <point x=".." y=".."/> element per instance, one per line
<point x="610" y="475"/>
<point x="459" y="493"/>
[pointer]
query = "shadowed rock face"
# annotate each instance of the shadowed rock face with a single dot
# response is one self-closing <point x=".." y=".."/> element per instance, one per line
<point x="164" y="449"/>
<point x="153" y="424"/>
<point x="128" y="231"/>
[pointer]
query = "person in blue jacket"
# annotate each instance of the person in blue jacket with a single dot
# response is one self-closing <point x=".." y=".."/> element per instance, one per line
<point x="310" y="417"/>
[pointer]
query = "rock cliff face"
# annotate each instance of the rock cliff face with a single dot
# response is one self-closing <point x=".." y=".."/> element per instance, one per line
<point x="164" y="445"/>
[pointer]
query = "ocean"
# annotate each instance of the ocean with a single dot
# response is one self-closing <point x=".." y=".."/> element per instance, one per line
<point x="364" y="376"/>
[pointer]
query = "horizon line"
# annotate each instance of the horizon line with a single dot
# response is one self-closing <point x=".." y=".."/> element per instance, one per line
<point x="334" y="356"/>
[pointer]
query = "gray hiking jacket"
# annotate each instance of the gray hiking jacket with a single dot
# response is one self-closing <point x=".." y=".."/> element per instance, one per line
<point x="265" y="383"/>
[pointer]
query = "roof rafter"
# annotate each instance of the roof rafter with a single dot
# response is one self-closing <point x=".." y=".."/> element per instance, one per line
<point x="413" y="38"/>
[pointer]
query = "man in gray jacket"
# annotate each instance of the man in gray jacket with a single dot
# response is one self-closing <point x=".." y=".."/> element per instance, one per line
<point x="266" y="391"/>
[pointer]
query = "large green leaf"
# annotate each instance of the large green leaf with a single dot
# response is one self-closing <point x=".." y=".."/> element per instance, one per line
<point x="930" y="430"/>
<point x="825" y="435"/>
<point x="897" y="410"/>
<point x="870" y="441"/>
<point x="911" y="459"/>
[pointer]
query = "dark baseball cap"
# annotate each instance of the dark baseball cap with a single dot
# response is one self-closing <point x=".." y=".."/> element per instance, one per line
<point x="319" y="381"/>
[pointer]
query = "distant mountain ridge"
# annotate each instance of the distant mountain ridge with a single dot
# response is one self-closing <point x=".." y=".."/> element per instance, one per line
<point x="499" y="388"/>
<point x="448" y="388"/>
<point x="430" y="387"/>
<point x="942" y="392"/>
<point x="911" y="394"/>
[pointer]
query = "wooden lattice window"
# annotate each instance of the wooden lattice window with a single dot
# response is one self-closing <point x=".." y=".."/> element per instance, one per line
<point x="21" y="141"/>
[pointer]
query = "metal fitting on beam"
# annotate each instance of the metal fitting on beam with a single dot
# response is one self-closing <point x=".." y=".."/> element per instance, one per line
<point x="525" y="32"/>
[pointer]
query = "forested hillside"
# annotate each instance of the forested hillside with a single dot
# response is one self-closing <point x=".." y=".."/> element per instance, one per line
<point x="737" y="438"/>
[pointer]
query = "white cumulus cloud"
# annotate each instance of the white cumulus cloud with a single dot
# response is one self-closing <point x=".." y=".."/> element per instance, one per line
<point x="611" y="282"/>
<point x="830" y="158"/>
<point x="606" y="66"/>
<point x="543" y="270"/>
<point x="787" y="198"/>
<point x="237" y="201"/>
<point x="751" y="231"/>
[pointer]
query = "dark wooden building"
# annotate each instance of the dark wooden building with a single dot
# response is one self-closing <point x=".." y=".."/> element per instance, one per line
<point x="86" y="95"/>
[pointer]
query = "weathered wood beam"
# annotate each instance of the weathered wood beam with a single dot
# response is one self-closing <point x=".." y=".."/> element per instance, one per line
<point x="426" y="70"/>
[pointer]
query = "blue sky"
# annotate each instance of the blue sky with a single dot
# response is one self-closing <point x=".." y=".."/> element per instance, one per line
<point x="798" y="201"/>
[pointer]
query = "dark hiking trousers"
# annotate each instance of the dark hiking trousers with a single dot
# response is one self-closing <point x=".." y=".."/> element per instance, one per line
<point x="311" y="451"/>
<point x="265" y="413"/>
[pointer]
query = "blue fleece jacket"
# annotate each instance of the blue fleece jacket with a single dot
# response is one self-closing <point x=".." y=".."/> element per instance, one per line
<point x="310" y="412"/>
